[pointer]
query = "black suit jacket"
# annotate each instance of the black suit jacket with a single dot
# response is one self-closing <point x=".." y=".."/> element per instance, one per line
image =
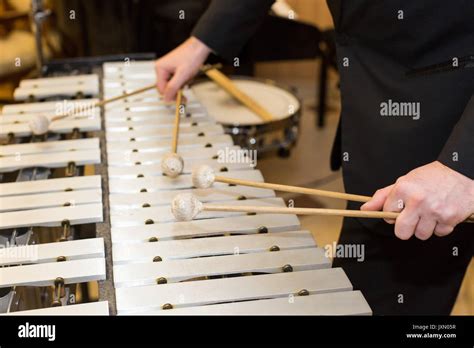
<point x="381" y="41"/>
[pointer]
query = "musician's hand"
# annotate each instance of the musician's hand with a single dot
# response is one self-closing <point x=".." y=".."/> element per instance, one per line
<point x="434" y="199"/>
<point x="174" y="69"/>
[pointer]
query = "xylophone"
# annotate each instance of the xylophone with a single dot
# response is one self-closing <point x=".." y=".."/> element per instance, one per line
<point x="223" y="262"/>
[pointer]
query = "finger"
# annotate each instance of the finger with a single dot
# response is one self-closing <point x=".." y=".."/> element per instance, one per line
<point x="178" y="80"/>
<point x="162" y="77"/>
<point x="405" y="224"/>
<point x="378" y="199"/>
<point x="425" y="228"/>
<point x="443" y="230"/>
<point x="393" y="203"/>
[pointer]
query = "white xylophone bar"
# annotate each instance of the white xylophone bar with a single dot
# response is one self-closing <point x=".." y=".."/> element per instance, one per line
<point x="192" y="110"/>
<point x="49" y="252"/>
<point x="23" y="93"/>
<point x="55" y="107"/>
<point x="248" y="224"/>
<point x="55" y="160"/>
<point x="160" y="198"/>
<point x="188" y="147"/>
<point x="142" y="126"/>
<point x="205" y="292"/>
<point x="50" y="200"/>
<point x="156" y="122"/>
<point x="204" y="247"/>
<point x="138" y="171"/>
<point x="25" y="118"/>
<point x="142" y="216"/>
<point x="49" y="146"/>
<point x="333" y="303"/>
<point x="139" y="274"/>
<point x="44" y="274"/>
<point x="148" y="159"/>
<point x="76" y="215"/>
<point x="163" y="133"/>
<point x="61" y="80"/>
<point x="92" y="182"/>
<point x="157" y="183"/>
<point x="195" y="114"/>
<point x="91" y="308"/>
<point x="65" y="126"/>
<point x="127" y="117"/>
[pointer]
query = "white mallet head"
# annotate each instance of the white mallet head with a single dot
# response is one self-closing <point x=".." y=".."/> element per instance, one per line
<point x="172" y="165"/>
<point x="39" y="125"/>
<point x="185" y="207"/>
<point x="203" y="176"/>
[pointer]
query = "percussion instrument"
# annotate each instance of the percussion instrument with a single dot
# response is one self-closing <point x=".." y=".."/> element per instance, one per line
<point x="246" y="128"/>
<point x="102" y="195"/>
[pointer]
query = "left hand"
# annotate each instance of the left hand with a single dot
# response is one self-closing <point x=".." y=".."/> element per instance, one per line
<point x="432" y="199"/>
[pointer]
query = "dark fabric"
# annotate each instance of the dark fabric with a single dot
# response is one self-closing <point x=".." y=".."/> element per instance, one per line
<point x="458" y="152"/>
<point x="125" y="26"/>
<point x="428" y="274"/>
<point x="228" y="24"/>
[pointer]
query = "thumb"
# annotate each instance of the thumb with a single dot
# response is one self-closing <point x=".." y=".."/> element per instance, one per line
<point x="179" y="79"/>
<point x="378" y="199"/>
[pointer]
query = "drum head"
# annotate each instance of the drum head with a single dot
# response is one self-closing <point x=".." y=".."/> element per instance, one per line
<point x="228" y="111"/>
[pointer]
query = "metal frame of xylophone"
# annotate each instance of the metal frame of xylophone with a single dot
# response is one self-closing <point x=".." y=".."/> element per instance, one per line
<point x="44" y="197"/>
<point x="222" y="263"/>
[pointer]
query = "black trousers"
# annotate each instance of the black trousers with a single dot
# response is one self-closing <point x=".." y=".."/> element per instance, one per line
<point x="406" y="277"/>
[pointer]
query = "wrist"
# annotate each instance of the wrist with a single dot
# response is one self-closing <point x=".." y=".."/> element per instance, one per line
<point x="199" y="47"/>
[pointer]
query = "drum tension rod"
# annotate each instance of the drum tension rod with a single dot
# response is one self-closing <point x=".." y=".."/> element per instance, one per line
<point x="58" y="292"/>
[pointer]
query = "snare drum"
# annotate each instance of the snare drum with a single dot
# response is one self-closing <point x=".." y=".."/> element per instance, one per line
<point x="247" y="129"/>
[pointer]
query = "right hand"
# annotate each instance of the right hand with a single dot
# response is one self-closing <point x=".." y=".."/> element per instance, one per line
<point x="177" y="67"/>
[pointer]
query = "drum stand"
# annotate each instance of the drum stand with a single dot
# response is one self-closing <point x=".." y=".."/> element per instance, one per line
<point x="38" y="15"/>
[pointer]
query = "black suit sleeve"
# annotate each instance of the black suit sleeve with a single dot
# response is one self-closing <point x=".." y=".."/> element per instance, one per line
<point x="458" y="152"/>
<point x="228" y="24"/>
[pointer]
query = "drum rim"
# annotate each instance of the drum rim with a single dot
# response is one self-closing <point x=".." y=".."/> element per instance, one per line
<point x="266" y="81"/>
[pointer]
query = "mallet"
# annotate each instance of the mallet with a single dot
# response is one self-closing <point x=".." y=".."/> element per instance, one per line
<point x="204" y="176"/>
<point x="172" y="164"/>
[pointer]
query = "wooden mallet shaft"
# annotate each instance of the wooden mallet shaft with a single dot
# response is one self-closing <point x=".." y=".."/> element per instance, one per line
<point x="301" y="211"/>
<point x="293" y="189"/>
<point x="225" y="83"/>
<point x="302" y="190"/>
<point x="177" y="118"/>
<point x="110" y="100"/>
<point x="307" y="211"/>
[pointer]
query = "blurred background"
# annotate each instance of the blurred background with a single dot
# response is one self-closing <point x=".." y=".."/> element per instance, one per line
<point x="293" y="47"/>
